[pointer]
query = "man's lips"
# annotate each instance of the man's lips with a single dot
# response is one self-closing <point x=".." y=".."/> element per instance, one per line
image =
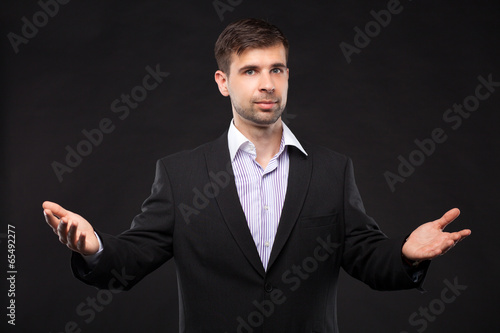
<point x="266" y="104"/>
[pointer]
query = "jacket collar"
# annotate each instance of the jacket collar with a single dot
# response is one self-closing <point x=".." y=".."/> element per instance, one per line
<point x="236" y="140"/>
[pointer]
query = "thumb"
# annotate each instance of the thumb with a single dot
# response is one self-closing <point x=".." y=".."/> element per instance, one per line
<point x="55" y="208"/>
<point x="448" y="217"/>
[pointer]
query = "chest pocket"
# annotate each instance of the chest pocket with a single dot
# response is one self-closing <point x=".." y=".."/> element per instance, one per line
<point x="318" y="221"/>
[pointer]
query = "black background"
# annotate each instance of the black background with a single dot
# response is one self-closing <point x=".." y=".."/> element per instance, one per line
<point x="393" y="92"/>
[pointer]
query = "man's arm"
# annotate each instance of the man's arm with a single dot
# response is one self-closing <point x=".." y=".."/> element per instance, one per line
<point x="137" y="251"/>
<point x="379" y="261"/>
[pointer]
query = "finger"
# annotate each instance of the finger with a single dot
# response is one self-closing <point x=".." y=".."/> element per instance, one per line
<point x="465" y="233"/>
<point x="448" y="217"/>
<point x="461" y="235"/>
<point x="62" y="231"/>
<point x="51" y="220"/>
<point x="80" y="245"/>
<point x="72" y="235"/>
<point x="453" y="239"/>
<point x="55" y="209"/>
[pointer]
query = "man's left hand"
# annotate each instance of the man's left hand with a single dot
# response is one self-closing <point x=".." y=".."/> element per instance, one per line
<point x="429" y="240"/>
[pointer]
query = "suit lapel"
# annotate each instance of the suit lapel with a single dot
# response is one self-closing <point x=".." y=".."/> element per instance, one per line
<point x="218" y="160"/>
<point x="298" y="182"/>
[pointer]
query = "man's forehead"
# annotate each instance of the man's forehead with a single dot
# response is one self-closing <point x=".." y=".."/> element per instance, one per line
<point x="260" y="56"/>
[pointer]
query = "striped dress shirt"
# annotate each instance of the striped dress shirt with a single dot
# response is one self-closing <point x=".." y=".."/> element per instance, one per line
<point x="261" y="191"/>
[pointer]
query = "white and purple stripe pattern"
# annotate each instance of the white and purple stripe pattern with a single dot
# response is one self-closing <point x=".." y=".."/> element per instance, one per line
<point x="262" y="194"/>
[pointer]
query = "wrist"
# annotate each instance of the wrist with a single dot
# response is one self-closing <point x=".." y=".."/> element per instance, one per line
<point x="410" y="262"/>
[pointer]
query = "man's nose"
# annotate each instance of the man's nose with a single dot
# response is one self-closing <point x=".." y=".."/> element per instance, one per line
<point x="266" y="83"/>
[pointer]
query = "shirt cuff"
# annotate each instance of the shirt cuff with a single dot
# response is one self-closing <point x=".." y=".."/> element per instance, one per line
<point x="93" y="259"/>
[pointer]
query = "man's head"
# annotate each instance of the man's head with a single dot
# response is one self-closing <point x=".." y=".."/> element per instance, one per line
<point x="252" y="56"/>
<point x="246" y="34"/>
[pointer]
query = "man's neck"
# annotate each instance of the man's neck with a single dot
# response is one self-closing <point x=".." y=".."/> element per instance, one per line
<point x="267" y="139"/>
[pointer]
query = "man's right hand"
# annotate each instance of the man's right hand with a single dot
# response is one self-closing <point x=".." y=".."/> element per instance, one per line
<point x="73" y="230"/>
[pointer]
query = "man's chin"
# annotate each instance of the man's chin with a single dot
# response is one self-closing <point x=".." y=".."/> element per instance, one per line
<point x="266" y="120"/>
<point x="261" y="118"/>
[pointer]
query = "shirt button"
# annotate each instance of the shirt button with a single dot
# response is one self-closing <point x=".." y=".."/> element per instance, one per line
<point x="266" y="207"/>
<point x="266" y="244"/>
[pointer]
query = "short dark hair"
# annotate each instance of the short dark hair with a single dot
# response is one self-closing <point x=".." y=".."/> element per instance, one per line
<point x="245" y="34"/>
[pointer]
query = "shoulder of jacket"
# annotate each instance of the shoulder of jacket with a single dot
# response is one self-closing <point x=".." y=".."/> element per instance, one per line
<point x="190" y="154"/>
<point x="319" y="151"/>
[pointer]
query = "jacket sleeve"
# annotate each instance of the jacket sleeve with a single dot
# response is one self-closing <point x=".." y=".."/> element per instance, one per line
<point x="133" y="254"/>
<point x="369" y="255"/>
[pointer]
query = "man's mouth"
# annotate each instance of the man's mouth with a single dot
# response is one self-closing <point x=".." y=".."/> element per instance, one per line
<point x="266" y="104"/>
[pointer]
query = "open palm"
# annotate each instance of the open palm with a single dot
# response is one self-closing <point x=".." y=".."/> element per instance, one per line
<point x="429" y="240"/>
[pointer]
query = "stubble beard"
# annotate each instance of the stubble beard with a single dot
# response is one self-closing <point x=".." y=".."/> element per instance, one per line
<point x="260" y="117"/>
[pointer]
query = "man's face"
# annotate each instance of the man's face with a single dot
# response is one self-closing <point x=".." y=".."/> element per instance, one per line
<point x="257" y="84"/>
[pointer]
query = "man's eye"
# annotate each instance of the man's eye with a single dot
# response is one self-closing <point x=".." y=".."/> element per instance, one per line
<point x="276" y="70"/>
<point x="250" y="72"/>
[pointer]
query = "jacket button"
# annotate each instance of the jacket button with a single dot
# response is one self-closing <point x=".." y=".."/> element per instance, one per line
<point x="268" y="287"/>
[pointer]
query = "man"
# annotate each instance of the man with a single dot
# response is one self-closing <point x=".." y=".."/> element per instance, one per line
<point x="258" y="222"/>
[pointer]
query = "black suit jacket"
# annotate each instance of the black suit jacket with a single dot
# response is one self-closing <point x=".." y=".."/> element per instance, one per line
<point x="194" y="215"/>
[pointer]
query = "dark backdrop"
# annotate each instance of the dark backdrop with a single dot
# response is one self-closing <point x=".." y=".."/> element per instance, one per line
<point x="396" y="89"/>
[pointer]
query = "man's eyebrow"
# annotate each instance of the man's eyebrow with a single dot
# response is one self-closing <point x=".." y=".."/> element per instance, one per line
<point x="254" y="67"/>
<point x="278" y="64"/>
<point x="248" y="67"/>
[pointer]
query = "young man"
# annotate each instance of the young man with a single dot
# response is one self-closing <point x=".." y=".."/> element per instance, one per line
<point x="259" y="247"/>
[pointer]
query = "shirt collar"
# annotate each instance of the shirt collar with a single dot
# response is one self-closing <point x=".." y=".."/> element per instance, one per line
<point x="236" y="140"/>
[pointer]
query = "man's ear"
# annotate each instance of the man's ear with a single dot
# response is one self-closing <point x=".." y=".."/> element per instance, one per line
<point x="221" y="79"/>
